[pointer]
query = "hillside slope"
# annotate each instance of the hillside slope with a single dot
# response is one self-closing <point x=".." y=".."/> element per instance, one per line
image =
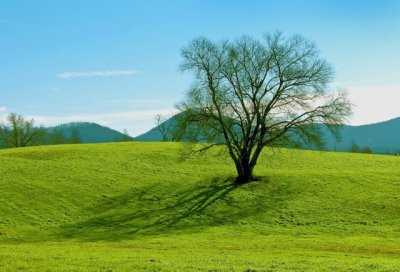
<point x="139" y="206"/>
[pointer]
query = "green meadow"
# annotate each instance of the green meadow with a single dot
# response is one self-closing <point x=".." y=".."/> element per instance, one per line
<point x="143" y="207"/>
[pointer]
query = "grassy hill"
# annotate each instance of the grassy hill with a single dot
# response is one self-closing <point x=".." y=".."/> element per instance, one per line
<point x="140" y="207"/>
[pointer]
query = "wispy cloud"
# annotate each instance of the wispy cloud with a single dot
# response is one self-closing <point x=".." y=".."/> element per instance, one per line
<point x="105" y="73"/>
<point x="100" y="117"/>
<point x="16" y="24"/>
<point x="3" y="114"/>
<point x="163" y="102"/>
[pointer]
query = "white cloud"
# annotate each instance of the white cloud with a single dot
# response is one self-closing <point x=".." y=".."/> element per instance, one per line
<point x="106" y="73"/>
<point x="132" y="115"/>
<point x="16" y="24"/>
<point x="3" y="114"/>
<point x="157" y="102"/>
<point x="374" y="104"/>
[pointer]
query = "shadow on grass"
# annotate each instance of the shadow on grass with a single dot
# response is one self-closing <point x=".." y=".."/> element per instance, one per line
<point x="155" y="211"/>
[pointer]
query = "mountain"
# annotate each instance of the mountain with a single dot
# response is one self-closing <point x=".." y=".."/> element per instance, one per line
<point x="90" y="132"/>
<point x="381" y="137"/>
<point x="155" y="135"/>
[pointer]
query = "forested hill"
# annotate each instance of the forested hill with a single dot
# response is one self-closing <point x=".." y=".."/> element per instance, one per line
<point x="380" y="137"/>
<point x="90" y="132"/>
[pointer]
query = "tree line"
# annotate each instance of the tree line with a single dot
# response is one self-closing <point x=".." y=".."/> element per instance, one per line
<point x="355" y="148"/>
<point x="19" y="131"/>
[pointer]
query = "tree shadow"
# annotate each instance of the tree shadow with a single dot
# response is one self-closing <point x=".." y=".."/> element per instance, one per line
<point x="146" y="211"/>
<point x="153" y="211"/>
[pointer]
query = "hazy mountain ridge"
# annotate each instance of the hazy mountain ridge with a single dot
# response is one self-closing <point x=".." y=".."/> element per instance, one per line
<point x="90" y="132"/>
<point x="381" y="137"/>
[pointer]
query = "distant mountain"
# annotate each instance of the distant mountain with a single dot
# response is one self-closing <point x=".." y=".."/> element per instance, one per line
<point x="380" y="137"/>
<point x="155" y="135"/>
<point x="90" y="132"/>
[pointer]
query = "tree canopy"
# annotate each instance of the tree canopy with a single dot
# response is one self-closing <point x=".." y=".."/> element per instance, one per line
<point x="249" y="93"/>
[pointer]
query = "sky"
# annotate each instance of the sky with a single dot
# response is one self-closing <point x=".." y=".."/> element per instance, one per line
<point x="116" y="62"/>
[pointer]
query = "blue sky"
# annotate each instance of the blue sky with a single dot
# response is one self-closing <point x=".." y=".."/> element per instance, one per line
<point x="116" y="62"/>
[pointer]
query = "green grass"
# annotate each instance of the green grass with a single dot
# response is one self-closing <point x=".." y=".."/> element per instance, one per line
<point x="140" y="207"/>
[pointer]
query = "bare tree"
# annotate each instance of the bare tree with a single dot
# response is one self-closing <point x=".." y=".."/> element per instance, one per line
<point x="164" y="127"/>
<point x="54" y="136"/>
<point x="125" y="136"/>
<point x="20" y="132"/>
<point x="248" y="94"/>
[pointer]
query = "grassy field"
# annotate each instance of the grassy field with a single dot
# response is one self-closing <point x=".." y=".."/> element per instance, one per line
<point x="140" y="207"/>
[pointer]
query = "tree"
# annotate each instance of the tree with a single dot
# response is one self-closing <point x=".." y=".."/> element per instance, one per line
<point x="20" y="132"/>
<point x="366" y="149"/>
<point x="354" y="147"/>
<point x="166" y="126"/>
<point x="125" y="137"/>
<point x="249" y="94"/>
<point x="55" y="136"/>
<point x="75" y="136"/>
<point x="161" y="126"/>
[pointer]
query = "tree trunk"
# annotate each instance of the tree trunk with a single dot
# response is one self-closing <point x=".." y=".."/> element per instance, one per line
<point x="245" y="172"/>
